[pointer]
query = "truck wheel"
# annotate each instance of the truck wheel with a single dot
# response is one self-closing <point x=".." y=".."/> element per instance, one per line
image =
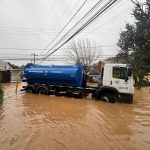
<point x="69" y="94"/>
<point x="107" y="97"/>
<point x="57" y="93"/>
<point x="29" y="89"/>
<point x="42" y="91"/>
<point x="79" y="95"/>
<point x="130" y="99"/>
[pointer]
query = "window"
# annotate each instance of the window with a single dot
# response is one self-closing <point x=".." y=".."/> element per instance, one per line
<point x="120" y="72"/>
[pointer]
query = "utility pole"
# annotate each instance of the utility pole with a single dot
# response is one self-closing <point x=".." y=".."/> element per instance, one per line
<point x="34" y="57"/>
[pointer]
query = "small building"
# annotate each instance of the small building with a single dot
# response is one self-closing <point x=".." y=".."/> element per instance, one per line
<point x="5" y="76"/>
<point x="5" y="66"/>
<point x="7" y="73"/>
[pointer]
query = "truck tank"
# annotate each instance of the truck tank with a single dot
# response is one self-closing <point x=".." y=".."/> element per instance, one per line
<point x="55" y="75"/>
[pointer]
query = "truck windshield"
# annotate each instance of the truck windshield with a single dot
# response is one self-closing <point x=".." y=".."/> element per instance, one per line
<point x="120" y="72"/>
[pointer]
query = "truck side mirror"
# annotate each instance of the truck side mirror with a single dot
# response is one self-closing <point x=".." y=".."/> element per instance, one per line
<point x="129" y="72"/>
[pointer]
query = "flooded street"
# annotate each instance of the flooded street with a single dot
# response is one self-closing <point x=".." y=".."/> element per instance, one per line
<point x="29" y="122"/>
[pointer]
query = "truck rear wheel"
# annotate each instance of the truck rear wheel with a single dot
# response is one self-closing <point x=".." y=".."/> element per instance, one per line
<point x="42" y="91"/>
<point x="29" y="89"/>
<point x="69" y="94"/>
<point x="57" y="93"/>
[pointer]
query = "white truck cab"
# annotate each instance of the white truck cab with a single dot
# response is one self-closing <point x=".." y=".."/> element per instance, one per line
<point x="116" y="81"/>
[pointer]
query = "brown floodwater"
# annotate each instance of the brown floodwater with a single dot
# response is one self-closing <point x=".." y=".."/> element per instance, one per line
<point x="29" y="122"/>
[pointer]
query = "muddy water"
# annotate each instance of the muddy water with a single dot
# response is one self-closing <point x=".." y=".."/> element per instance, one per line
<point x="29" y="122"/>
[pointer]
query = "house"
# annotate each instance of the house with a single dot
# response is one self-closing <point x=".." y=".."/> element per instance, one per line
<point x="5" y="66"/>
<point x="7" y="73"/>
<point x="4" y="72"/>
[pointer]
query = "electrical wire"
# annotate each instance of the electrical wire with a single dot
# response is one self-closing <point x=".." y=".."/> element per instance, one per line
<point x="48" y="49"/>
<point x="67" y="24"/>
<point x="39" y="49"/>
<point x="56" y="58"/>
<point x="100" y="11"/>
<point x="73" y="28"/>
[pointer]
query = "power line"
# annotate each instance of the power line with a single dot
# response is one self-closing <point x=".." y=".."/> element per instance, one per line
<point x="47" y="34"/>
<point x="107" y="22"/>
<point x="57" y="58"/>
<point x="40" y="49"/>
<point x="39" y="29"/>
<point x="91" y="10"/>
<point x="73" y="28"/>
<point x="99" y="12"/>
<point x="66" y="24"/>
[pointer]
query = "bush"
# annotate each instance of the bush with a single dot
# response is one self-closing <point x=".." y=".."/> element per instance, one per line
<point x="145" y="83"/>
<point x="1" y="94"/>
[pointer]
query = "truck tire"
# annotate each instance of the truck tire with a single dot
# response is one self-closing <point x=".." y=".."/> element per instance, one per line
<point x="79" y="95"/>
<point x="107" y="97"/>
<point x="130" y="99"/>
<point x="69" y="94"/>
<point x="60" y="93"/>
<point x="57" y="93"/>
<point x="30" y="89"/>
<point x="42" y="91"/>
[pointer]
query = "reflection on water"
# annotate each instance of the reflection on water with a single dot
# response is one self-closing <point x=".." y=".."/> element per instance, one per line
<point x="29" y="121"/>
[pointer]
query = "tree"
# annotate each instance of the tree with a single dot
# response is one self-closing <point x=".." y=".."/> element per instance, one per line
<point x="126" y="43"/>
<point x="134" y="42"/>
<point x="83" y="52"/>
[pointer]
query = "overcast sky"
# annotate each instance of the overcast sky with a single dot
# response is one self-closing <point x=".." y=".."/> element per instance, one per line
<point x="28" y="26"/>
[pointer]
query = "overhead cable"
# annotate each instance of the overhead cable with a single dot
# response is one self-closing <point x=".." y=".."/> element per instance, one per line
<point x="82" y="19"/>
<point x="97" y="14"/>
<point x="66" y="24"/>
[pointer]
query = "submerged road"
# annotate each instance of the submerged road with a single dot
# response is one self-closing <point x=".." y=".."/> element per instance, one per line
<point x="29" y="122"/>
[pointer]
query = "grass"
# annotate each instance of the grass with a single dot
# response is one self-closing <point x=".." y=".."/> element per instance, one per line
<point x="1" y="94"/>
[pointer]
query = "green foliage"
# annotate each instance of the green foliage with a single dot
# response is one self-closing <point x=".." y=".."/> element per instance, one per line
<point x="134" y="42"/>
<point x="145" y="82"/>
<point x="1" y="94"/>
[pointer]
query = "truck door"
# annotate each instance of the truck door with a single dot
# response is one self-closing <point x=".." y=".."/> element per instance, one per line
<point x="120" y="79"/>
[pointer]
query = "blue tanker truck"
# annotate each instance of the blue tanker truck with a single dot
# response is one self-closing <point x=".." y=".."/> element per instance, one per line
<point x="115" y="82"/>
